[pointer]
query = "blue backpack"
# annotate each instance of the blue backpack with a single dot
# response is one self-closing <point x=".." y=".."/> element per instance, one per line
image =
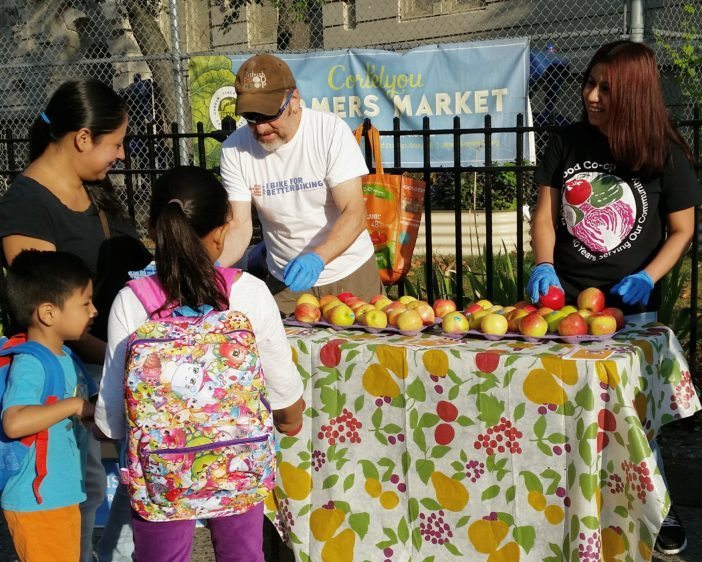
<point x="13" y="451"/>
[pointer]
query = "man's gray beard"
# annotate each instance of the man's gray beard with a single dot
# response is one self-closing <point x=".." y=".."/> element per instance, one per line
<point x="271" y="146"/>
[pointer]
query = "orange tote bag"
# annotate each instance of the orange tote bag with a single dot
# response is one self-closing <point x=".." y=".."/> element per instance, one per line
<point x="394" y="204"/>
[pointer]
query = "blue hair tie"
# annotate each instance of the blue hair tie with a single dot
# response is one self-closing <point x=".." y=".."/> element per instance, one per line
<point x="45" y="118"/>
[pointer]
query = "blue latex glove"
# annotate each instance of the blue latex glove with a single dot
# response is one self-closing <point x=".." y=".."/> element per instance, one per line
<point x="302" y="273"/>
<point x="634" y="288"/>
<point x="542" y="277"/>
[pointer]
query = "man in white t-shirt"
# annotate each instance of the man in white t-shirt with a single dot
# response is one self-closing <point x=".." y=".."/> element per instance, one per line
<point x="302" y="170"/>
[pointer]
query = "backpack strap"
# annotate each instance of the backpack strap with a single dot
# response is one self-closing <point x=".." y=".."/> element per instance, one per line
<point x="54" y="387"/>
<point x="152" y="296"/>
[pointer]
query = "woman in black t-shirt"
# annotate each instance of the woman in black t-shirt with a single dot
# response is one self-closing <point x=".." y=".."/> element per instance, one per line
<point x="617" y="191"/>
<point x="62" y="201"/>
<point x="616" y="201"/>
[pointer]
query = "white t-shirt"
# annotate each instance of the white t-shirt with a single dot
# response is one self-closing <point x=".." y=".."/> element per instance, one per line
<point x="248" y="295"/>
<point x="291" y="188"/>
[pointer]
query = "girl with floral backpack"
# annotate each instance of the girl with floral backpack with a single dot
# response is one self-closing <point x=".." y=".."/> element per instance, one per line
<point x="187" y="351"/>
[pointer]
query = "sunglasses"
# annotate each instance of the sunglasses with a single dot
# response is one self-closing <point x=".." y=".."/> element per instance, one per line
<point x="259" y="118"/>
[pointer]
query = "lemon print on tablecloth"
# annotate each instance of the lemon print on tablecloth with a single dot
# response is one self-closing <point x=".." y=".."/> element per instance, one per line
<point x="393" y="358"/>
<point x="508" y="553"/>
<point x="296" y="482"/>
<point x="486" y="534"/>
<point x="373" y="487"/>
<point x="554" y="514"/>
<point x="537" y="500"/>
<point x="389" y="499"/>
<point x="340" y="548"/>
<point x="543" y="386"/>
<point x="325" y="521"/>
<point x="436" y="362"/>
<point x="377" y="381"/>
<point x="451" y="494"/>
<point x="607" y="373"/>
<point x="612" y="545"/>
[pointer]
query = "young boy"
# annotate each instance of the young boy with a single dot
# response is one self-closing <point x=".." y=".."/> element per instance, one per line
<point x="49" y="294"/>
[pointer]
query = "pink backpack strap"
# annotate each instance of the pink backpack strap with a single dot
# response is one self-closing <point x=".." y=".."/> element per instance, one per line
<point x="152" y="296"/>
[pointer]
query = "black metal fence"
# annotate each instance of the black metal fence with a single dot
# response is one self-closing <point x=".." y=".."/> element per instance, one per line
<point x="138" y="176"/>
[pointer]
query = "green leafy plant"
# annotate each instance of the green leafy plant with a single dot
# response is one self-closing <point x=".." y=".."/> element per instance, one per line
<point x="686" y="53"/>
<point x="670" y="311"/>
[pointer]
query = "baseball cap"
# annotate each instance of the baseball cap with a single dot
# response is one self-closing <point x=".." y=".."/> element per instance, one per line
<point x="261" y="83"/>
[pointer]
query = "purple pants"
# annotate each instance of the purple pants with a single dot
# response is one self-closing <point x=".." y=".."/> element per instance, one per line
<point x="237" y="538"/>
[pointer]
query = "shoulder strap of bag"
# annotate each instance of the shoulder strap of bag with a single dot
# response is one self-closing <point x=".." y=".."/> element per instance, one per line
<point x="152" y="296"/>
<point x="54" y="387"/>
<point x="374" y="138"/>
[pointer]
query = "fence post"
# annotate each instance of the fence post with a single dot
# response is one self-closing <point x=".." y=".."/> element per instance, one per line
<point x="176" y="144"/>
<point x="201" y="145"/>
<point x="520" y="204"/>
<point x="489" y="261"/>
<point x="428" y="262"/>
<point x="457" y="209"/>
<point x="397" y="163"/>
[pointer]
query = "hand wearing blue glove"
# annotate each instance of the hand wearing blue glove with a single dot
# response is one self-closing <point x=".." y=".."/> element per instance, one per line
<point x="635" y="288"/>
<point x="542" y="277"/>
<point x="302" y="273"/>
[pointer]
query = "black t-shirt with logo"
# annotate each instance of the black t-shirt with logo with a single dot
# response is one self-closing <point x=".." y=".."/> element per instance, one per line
<point x="612" y="222"/>
<point x="29" y="209"/>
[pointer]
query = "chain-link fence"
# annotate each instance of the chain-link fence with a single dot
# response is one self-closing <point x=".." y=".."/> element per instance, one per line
<point x="141" y="48"/>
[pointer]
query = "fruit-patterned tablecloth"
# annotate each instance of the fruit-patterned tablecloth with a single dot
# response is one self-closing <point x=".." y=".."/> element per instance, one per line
<point x="431" y="449"/>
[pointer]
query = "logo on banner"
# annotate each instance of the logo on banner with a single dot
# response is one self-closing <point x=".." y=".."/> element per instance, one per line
<point x="222" y="105"/>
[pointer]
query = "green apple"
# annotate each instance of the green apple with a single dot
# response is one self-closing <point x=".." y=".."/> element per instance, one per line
<point x="493" y="324"/>
<point x="342" y="315"/>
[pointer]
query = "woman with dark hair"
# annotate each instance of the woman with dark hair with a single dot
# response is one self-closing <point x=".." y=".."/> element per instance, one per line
<point x="617" y="194"/>
<point x="63" y="201"/>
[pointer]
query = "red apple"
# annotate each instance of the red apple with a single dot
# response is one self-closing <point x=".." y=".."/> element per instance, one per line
<point x="443" y="306"/>
<point x="525" y="305"/>
<point x="307" y="312"/>
<point x="618" y="316"/>
<point x="600" y="324"/>
<point x="544" y="311"/>
<point x="345" y="297"/>
<point x="591" y="299"/>
<point x="409" y="321"/>
<point x="376" y="298"/>
<point x="553" y="299"/>
<point x="514" y="317"/>
<point x="425" y="311"/>
<point x="471" y="308"/>
<point x="572" y="325"/>
<point x="533" y="324"/>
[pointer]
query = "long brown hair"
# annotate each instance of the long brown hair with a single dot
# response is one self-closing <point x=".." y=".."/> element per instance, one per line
<point x="640" y="130"/>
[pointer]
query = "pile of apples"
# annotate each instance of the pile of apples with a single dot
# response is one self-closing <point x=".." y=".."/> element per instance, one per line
<point x="406" y="314"/>
<point x="549" y="315"/>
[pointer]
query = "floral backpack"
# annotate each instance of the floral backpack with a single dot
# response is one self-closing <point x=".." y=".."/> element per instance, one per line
<point x="200" y="429"/>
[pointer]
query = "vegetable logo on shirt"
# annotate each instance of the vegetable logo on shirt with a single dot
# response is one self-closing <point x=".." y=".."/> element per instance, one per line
<point x="599" y="210"/>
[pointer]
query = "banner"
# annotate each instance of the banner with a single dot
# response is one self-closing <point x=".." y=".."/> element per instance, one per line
<point x="468" y="80"/>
